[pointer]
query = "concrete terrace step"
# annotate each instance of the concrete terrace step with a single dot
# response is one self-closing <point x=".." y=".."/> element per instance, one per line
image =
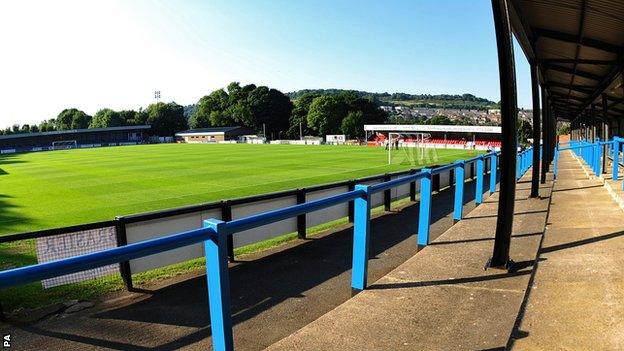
<point x="575" y="302"/>
<point x="441" y="298"/>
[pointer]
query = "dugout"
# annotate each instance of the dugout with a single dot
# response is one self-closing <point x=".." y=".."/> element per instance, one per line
<point x="83" y="137"/>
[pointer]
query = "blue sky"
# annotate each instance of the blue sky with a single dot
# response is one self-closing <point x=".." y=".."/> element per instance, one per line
<point x="114" y="54"/>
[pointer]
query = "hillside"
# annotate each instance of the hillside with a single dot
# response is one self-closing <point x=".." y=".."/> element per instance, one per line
<point x="464" y="101"/>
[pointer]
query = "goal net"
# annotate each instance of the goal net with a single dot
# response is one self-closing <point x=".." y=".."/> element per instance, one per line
<point x="411" y="148"/>
<point x="64" y="144"/>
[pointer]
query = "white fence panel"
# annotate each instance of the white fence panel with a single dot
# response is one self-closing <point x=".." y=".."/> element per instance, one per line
<point x="328" y="214"/>
<point x="156" y="228"/>
<point x="267" y="231"/>
<point x="377" y="199"/>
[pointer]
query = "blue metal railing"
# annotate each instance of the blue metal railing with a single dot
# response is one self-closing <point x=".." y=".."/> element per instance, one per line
<point x="215" y="232"/>
<point x="593" y="153"/>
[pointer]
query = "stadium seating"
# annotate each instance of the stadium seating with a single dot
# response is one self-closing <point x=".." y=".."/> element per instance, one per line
<point x="380" y="139"/>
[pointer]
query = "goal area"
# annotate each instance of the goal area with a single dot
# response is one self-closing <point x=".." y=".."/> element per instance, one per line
<point x="64" y="145"/>
<point x="413" y="146"/>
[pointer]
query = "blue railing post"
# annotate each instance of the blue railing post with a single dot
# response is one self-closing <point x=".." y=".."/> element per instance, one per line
<point x="218" y="286"/>
<point x="555" y="163"/>
<point x="578" y="152"/>
<point x="598" y="158"/>
<point x="479" y="182"/>
<point x="424" y="214"/>
<point x="459" y="190"/>
<point x="493" y="167"/>
<point x="616" y="158"/>
<point x="361" y="238"/>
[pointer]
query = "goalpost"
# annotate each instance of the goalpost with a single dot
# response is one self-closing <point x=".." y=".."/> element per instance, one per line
<point x="64" y="145"/>
<point x="420" y="139"/>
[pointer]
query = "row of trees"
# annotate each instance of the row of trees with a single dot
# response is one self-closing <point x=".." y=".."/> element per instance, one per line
<point x="165" y="119"/>
<point x="265" y="109"/>
<point x="257" y="107"/>
<point x="309" y="112"/>
<point x="464" y="101"/>
<point x="342" y="113"/>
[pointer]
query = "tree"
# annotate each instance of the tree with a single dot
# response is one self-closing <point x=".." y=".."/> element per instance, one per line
<point x="129" y="117"/>
<point x="16" y="128"/>
<point x="299" y="115"/>
<point x="352" y="125"/>
<point x="524" y="131"/>
<point x="199" y="121"/>
<point x="218" y="118"/>
<point x="106" y="118"/>
<point x="25" y="128"/>
<point x="166" y="119"/>
<point x="270" y="107"/>
<point x="72" y="118"/>
<point x="47" y="126"/>
<point x="326" y="114"/>
<point x="80" y="120"/>
<point x="240" y="113"/>
<point x="563" y="128"/>
<point x="218" y="101"/>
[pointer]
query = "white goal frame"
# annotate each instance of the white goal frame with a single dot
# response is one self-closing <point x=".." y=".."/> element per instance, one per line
<point x="64" y="145"/>
<point x="421" y="139"/>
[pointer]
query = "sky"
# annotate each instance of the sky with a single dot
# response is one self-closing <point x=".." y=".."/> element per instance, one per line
<point x="115" y="54"/>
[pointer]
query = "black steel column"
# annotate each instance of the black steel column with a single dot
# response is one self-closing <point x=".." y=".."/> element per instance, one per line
<point x="387" y="194"/>
<point x="545" y="134"/>
<point x="301" y="219"/>
<point x="535" y="175"/>
<point x="605" y="110"/>
<point x="553" y="132"/>
<point x="509" y="116"/>
<point x="122" y="240"/>
<point x="226" y="216"/>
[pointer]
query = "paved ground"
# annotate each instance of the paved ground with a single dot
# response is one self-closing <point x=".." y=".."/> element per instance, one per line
<point x="273" y="294"/>
<point x="575" y="302"/>
<point x="440" y="299"/>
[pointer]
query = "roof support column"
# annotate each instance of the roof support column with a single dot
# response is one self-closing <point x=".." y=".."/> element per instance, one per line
<point x="509" y="116"/>
<point x="605" y="131"/>
<point x="592" y="114"/>
<point x="546" y="135"/>
<point x="535" y="175"/>
<point x="553" y="133"/>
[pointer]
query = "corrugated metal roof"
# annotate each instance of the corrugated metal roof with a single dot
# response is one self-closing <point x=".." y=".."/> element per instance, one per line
<point x="74" y="131"/>
<point x="577" y="43"/>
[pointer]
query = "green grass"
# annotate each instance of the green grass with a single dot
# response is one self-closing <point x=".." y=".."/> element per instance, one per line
<point x="61" y="188"/>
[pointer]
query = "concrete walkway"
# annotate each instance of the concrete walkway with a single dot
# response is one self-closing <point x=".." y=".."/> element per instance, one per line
<point x="440" y="299"/>
<point x="576" y="299"/>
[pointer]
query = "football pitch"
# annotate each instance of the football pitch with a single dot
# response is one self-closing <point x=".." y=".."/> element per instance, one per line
<point x="60" y="188"/>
